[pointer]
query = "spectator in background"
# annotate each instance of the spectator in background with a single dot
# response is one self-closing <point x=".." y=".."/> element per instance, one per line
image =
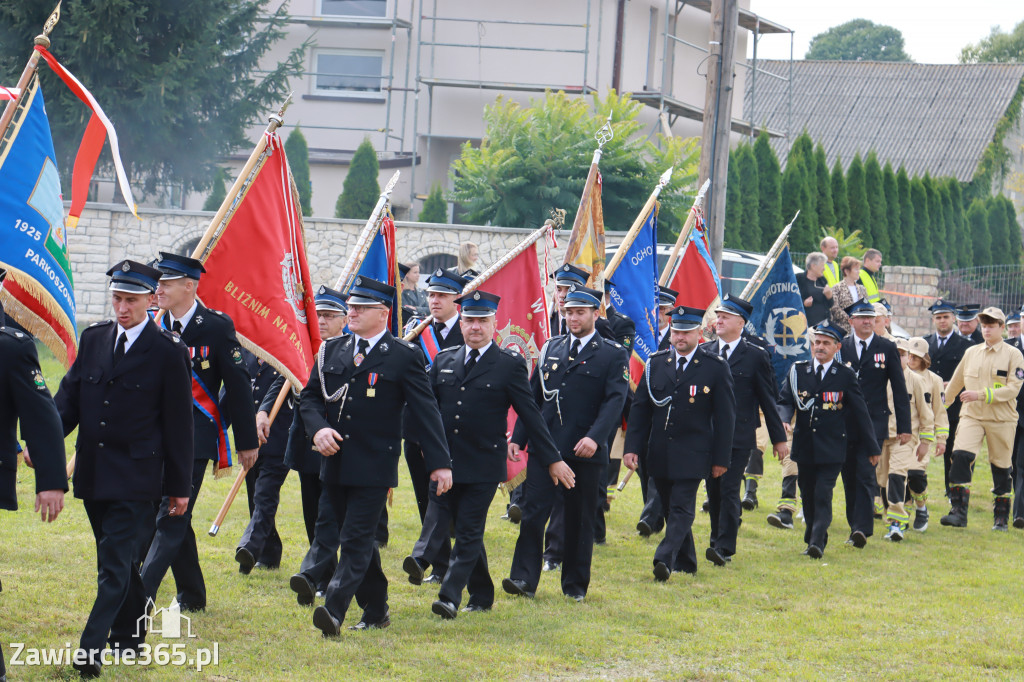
<point x="414" y="299"/>
<point x="1013" y="325"/>
<point x="469" y="254"/>
<point x="830" y="247"/>
<point x="814" y="290"/>
<point x="847" y="292"/>
<point x="869" y="273"/>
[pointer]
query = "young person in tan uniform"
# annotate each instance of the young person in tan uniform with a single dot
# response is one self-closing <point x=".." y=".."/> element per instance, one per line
<point x="897" y="458"/>
<point x="991" y="374"/>
<point x="918" y="361"/>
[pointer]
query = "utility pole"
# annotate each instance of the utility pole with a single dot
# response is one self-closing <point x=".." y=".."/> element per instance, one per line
<point x="714" y="154"/>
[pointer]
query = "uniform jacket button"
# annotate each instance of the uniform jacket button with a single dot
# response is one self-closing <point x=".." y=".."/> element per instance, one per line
<point x="456" y="416"/>
<point x="455" y="431"/>
<point x="106" y="402"/>
<point x="101" y="445"/>
<point x="103" y="423"/>
<point x="458" y="402"/>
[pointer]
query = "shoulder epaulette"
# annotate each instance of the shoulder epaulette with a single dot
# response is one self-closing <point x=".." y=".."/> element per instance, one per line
<point x="509" y="351"/>
<point x="11" y="331"/>
<point x="407" y="344"/>
<point x="448" y="349"/>
<point x="659" y="352"/>
<point x="169" y="335"/>
<point x="802" y="362"/>
<point x="615" y="344"/>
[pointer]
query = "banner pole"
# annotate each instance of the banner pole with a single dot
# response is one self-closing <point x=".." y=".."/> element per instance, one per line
<point x="30" y="69"/>
<point x="684" y="236"/>
<point x="634" y="229"/>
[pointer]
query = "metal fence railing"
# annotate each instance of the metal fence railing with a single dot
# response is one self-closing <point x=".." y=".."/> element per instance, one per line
<point x="989" y="285"/>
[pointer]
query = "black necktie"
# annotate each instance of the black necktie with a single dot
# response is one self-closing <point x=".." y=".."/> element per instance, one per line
<point x="119" y="348"/>
<point x="680" y="366"/>
<point x="820" y="374"/>
<point x="563" y="328"/>
<point x="942" y="342"/>
<point x="575" y="350"/>
<point x="471" y="362"/>
<point x="364" y="348"/>
<point x="863" y="349"/>
<point x="176" y="327"/>
<point x="439" y="329"/>
<point x="725" y="351"/>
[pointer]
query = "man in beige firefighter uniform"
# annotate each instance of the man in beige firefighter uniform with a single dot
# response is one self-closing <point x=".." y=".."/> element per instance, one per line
<point x="897" y="458"/>
<point x="918" y="360"/>
<point x="991" y="374"/>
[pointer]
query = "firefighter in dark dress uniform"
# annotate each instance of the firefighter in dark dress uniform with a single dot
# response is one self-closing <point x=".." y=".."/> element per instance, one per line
<point x="684" y="412"/>
<point x="946" y="348"/>
<point x="128" y="394"/>
<point x="216" y="360"/>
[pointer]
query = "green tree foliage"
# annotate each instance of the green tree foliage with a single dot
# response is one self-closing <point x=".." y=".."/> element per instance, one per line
<point x="769" y="196"/>
<point x="1015" y="234"/>
<point x="922" y="222"/>
<point x="751" y="236"/>
<point x="840" y="199"/>
<point x="803" y="147"/>
<point x="795" y="197"/>
<point x="892" y="204"/>
<point x="217" y="192"/>
<point x="361" y="189"/>
<point x="908" y="230"/>
<point x="936" y="225"/>
<point x="860" y="212"/>
<point x="181" y="81"/>
<point x="435" y="208"/>
<point x="964" y="248"/>
<point x="999" y="46"/>
<point x="877" y="208"/>
<point x="977" y="220"/>
<point x="859" y="40"/>
<point x="949" y="219"/>
<point x="999" y="230"/>
<point x="849" y="244"/>
<point x="826" y="208"/>
<point x="297" y="151"/>
<point x="536" y="158"/>
<point x="733" y="208"/>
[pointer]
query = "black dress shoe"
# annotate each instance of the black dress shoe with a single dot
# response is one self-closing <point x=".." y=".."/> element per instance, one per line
<point x="445" y="609"/>
<point x="268" y="567"/>
<point x="1018" y="522"/>
<point x="186" y="607"/>
<point x="377" y="625"/>
<point x="576" y="597"/>
<point x="706" y="507"/>
<point x="518" y="588"/>
<point x="661" y="572"/>
<point x="303" y="589"/>
<point x="414" y="569"/>
<point x="88" y="670"/>
<point x="815" y="552"/>
<point x="644" y="529"/>
<point x="859" y="539"/>
<point x="245" y="560"/>
<point x="433" y="579"/>
<point x="550" y="566"/>
<point x="325" y="622"/>
<point x="515" y="513"/>
<point x="712" y="555"/>
<point x="475" y="608"/>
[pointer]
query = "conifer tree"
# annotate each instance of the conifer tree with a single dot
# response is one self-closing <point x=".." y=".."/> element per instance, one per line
<point x="750" y="233"/>
<point x="877" y="207"/>
<point x="733" y="209"/>
<point x="977" y="220"/>
<point x="1015" y="233"/>
<point x="803" y="236"/>
<point x="936" y="226"/>
<point x="892" y="203"/>
<point x="361" y="189"/>
<point x="297" y="151"/>
<point x="826" y="207"/>
<point x="922" y="222"/>
<point x="218" y="192"/>
<point x="435" y="208"/>
<point x="908" y="231"/>
<point x="769" y="196"/>
<point x="860" y="213"/>
<point x="997" y="227"/>
<point x="840" y="198"/>
<point x="964" y="247"/>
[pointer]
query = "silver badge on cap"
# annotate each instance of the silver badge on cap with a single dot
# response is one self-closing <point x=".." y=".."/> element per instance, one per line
<point x="126" y="267"/>
<point x="572" y="287"/>
<point x="476" y="296"/>
<point x="439" y="273"/>
<point x="565" y="268"/>
<point x="323" y="289"/>
<point x="359" y="281"/>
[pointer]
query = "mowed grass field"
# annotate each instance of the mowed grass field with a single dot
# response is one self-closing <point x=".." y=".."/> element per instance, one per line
<point x="946" y="604"/>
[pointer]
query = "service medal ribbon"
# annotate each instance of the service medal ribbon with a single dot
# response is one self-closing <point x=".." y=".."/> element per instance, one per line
<point x="693" y="391"/>
<point x="371" y="378"/>
<point x="879" y="357"/>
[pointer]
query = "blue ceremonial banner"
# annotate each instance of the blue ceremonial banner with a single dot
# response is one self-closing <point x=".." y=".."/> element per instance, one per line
<point x="635" y="293"/>
<point x="39" y="291"/>
<point x="779" y="316"/>
<point x="381" y="264"/>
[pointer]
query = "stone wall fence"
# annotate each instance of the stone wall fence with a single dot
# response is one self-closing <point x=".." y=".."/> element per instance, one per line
<point x="911" y="290"/>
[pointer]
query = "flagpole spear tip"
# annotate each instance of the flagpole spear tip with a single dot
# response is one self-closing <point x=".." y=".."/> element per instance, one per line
<point x="277" y="120"/>
<point x="557" y="218"/>
<point x="43" y="38"/>
<point x="666" y="176"/>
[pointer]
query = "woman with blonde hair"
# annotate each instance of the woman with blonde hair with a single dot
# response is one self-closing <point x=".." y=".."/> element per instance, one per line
<point x="469" y="254"/>
<point x="847" y="292"/>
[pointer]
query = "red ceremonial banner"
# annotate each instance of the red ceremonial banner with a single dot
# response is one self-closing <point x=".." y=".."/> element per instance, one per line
<point x="521" y="324"/>
<point x="257" y="272"/>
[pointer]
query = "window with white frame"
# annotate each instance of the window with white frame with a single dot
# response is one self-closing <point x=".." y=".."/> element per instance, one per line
<point x="353" y="8"/>
<point x="349" y="72"/>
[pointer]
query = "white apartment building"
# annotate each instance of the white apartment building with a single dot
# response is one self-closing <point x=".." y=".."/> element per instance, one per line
<point x="415" y="75"/>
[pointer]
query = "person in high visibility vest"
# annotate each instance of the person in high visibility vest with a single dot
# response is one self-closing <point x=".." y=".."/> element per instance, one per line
<point x="868" y="273"/>
<point x="830" y="247"/>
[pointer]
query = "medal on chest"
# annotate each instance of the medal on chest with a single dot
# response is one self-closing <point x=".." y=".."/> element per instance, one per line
<point x="693" y="392"/>
<point x="371" y="381"/>
<point x="201" y="353"/>
<point x="880" y="360"/>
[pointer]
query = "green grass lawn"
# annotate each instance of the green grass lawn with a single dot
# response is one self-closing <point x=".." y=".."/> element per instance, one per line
<point x="945" y="604"/>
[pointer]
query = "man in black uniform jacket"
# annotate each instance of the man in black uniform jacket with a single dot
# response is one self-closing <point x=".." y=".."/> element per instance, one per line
<point x="443" y="287"/>
<point x="353" y="407"/>
<point x="1018" y="440"/>
<point x="475" y="385"/>
<point x="128" y="393"/>
<point x="684" y="412"/>
<point x="580" y="385"/>
<point x="260" y="545"/>
<point x="652" y="518"/>
<point x="24" y="398"/>
<point x="216" y="358"/>
<point x="946" y="348"/>
<point x="830" y="415"/>
<point x="754" y="387"/>
<point x="876" y="361"/>
<point x="967" y="323"/>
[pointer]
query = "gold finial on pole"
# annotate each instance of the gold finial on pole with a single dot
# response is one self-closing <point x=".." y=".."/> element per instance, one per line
<point x="44" y="37"/>
<point x="557" y="218"/>
<point x="604" y="133"/>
